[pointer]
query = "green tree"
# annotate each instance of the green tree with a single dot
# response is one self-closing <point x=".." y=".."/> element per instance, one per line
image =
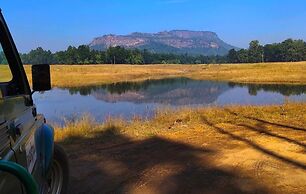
<point x="271" y="52"/>
<point x="61" y="57"/>
<point x="243" y="56"/>
<point x="116" y="55"/>
<point x="293" y="50"/>
<point x="83" y="54"/>
<point x="135" y="57"/>
<point x="99" y="57"/>
<point x="37" y="56"/>
<point x="71" y="56"/>
<point x="232" y="56"/>
<point x="255" y="52"/>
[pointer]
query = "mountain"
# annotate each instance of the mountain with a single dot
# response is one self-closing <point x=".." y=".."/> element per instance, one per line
<point x="175" y="41"/>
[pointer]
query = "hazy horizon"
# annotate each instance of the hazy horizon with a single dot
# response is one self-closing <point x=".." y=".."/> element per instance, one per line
<point x="57" y="24"/>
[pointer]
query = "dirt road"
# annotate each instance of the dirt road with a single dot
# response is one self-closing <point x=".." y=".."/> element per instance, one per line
<point x="234" y="156"/>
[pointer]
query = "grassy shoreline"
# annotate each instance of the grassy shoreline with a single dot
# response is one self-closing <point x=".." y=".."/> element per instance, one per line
<point x="244" y="149"/>
<point x="263" y="73"/>
<point x="166" y="118"/>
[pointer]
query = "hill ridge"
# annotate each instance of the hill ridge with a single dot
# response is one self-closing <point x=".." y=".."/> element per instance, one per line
<point x="173" y="41"/>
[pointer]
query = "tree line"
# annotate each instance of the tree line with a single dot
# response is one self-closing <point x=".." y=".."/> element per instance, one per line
<point x="286" y="51"/>
<point x="113" y="55"/>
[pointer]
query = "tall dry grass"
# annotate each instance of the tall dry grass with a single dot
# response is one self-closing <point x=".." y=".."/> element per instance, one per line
<point x="175" y="122"/>
<point x="82" y="75"/>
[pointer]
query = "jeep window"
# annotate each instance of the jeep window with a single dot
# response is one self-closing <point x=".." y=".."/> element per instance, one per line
<point x="7" y="83"/>
<point x="5" y="71"/>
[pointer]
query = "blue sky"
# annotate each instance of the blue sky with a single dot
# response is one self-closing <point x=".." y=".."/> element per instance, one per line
<point x="58" y="23"/>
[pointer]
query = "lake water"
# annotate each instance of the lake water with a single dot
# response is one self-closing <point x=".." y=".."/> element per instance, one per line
<point x="127" y="99"/>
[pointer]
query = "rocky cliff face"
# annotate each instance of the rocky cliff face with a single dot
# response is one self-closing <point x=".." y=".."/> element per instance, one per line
<point x="175" y="41"/>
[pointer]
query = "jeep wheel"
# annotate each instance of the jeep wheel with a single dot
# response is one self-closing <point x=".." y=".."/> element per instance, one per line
<point x="59" y="173"/>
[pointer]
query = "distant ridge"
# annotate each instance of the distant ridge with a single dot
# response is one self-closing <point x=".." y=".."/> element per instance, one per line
<point x="174" y="41"/>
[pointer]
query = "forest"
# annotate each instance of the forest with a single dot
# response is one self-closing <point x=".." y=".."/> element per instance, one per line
<point x="287" y="51"/>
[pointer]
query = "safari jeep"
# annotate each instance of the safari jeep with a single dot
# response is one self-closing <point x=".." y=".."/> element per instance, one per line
<point x="30" y="161"/>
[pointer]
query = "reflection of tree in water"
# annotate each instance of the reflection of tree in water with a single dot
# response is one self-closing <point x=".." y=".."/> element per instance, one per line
<point x="174" y="91"/>
<point x="286" y="90"/>
<point x="123" y="87"/>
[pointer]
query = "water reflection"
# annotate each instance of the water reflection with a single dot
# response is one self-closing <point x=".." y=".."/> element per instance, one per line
<point x="123" y="87"/>
<point x="126" y="99"/>
<point x="286" y="90"/>
<point x="175" y="91"/>
<point x="178" y="91"/>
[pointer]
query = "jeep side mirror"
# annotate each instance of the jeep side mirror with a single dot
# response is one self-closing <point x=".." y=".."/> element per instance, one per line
<point x="41" y="80"/>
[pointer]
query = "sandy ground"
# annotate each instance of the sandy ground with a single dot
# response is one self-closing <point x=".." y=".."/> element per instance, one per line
<point x="258" y="156"/>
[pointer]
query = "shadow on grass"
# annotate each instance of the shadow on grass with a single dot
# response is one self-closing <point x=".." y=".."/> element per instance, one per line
<point x="261" y="129"/>
<point x="114" y="163"/>
<point x="254" y="145"/>
<point x="266" y="122"/>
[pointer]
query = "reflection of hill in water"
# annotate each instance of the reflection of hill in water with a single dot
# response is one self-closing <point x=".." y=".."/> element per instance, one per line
<point x="286" y="90"/>
<point x="175" y="91"/>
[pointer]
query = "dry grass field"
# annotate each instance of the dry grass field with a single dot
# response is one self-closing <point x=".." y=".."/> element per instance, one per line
<point x="81" y="75"/>
<point x="238" y="149"/>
